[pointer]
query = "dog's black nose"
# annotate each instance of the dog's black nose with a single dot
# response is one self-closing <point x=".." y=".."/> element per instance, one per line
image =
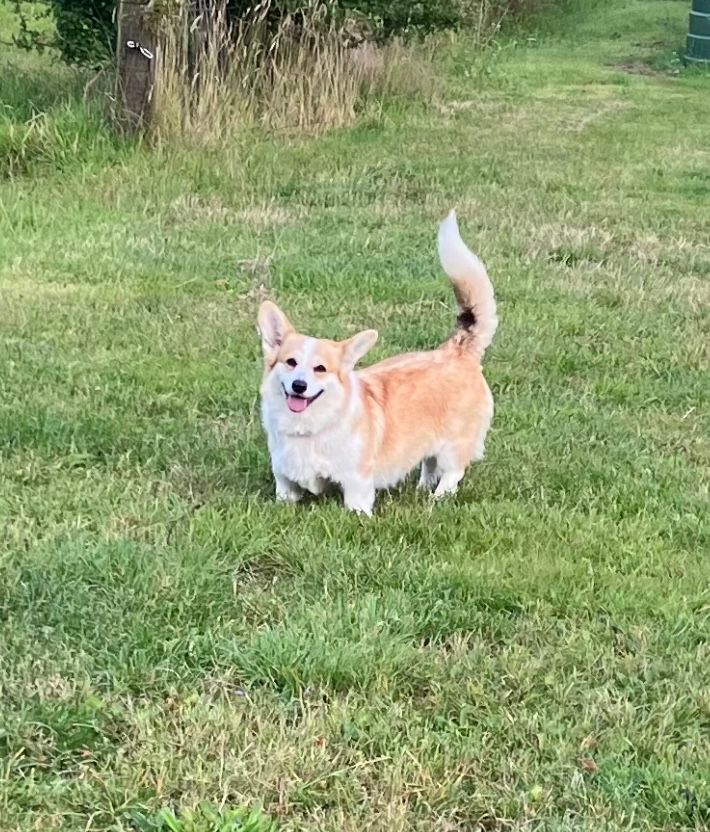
<point x="299" y="387"/>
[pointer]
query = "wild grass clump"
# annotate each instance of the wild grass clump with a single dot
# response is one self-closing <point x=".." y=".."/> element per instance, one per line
<point x="216" y="76"/>
<point x="60" y="138"/>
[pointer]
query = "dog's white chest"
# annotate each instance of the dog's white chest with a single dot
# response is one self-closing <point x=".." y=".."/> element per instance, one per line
<point x="308" y="460"/>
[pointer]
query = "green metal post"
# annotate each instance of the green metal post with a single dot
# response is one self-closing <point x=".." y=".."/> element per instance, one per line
<point x="697" y="48"/>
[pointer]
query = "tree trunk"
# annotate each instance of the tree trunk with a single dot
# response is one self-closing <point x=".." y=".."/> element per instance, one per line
<point x="136" y="59"/>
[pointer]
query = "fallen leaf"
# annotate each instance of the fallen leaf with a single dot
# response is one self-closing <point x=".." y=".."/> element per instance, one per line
<point x="588" y="765"/>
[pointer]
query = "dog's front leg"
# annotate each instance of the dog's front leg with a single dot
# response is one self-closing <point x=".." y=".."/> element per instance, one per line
<point x="359" y="494"/>
<point x="286" y="490"/>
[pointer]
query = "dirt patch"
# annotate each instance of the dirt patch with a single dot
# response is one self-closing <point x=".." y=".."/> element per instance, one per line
<point x="634" y="66"/>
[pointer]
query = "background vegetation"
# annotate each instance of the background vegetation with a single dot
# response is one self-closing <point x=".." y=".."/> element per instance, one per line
<point x="85" y="33"/>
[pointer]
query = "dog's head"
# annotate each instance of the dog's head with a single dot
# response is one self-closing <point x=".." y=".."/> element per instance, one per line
<point x="306" y="380"/>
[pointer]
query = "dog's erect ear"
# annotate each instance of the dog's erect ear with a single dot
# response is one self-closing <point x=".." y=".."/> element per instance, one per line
<point x="274" y="326"/>
<point x="354" y="348"/>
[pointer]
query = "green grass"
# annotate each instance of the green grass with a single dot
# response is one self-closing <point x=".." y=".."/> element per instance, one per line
<point x="531" y="654"/>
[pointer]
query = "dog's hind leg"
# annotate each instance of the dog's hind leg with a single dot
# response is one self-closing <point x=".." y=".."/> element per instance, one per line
<point x="429" y="475"/>
<point x="449" y="483"/>
<point x="451" y="461"/>
<point x="455" y="456"/>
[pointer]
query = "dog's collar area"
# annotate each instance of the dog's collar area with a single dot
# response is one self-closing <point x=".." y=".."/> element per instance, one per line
<point x="297" y="403"/>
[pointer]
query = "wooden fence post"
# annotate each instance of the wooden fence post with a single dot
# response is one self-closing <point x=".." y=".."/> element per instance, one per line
<point x="136" y="55"/>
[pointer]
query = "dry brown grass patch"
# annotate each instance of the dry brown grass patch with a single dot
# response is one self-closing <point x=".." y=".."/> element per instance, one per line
<point x="223" y="77"/>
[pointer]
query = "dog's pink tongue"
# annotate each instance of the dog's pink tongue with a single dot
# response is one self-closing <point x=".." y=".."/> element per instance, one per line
<point x="296" y="404"/>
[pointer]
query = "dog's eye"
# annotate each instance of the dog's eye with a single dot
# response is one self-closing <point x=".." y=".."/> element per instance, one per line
<point x="319" y="369"/>
<point x="292" y="362"/>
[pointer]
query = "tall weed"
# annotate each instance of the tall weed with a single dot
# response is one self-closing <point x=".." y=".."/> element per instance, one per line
<point x="215" y="77"/>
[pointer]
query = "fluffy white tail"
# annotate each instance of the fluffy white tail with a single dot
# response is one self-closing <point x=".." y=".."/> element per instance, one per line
<point x="477" y="320"/>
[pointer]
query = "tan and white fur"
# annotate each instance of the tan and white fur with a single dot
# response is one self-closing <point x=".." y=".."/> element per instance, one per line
<point x="363" y="430"/>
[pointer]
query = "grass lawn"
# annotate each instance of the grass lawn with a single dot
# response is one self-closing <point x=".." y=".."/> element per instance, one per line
<point x="532" y="654"/>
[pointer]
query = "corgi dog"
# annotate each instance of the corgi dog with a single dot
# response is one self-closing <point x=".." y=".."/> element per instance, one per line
<point x="363" y="430"/>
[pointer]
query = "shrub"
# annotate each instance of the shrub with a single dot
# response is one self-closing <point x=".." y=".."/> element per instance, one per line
<point x="85" y="32"/>
<point x="401" y="17"/>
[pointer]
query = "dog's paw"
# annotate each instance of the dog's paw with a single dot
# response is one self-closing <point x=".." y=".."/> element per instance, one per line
<point x="287" y="491"/>
<point x="287" y="497"/>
